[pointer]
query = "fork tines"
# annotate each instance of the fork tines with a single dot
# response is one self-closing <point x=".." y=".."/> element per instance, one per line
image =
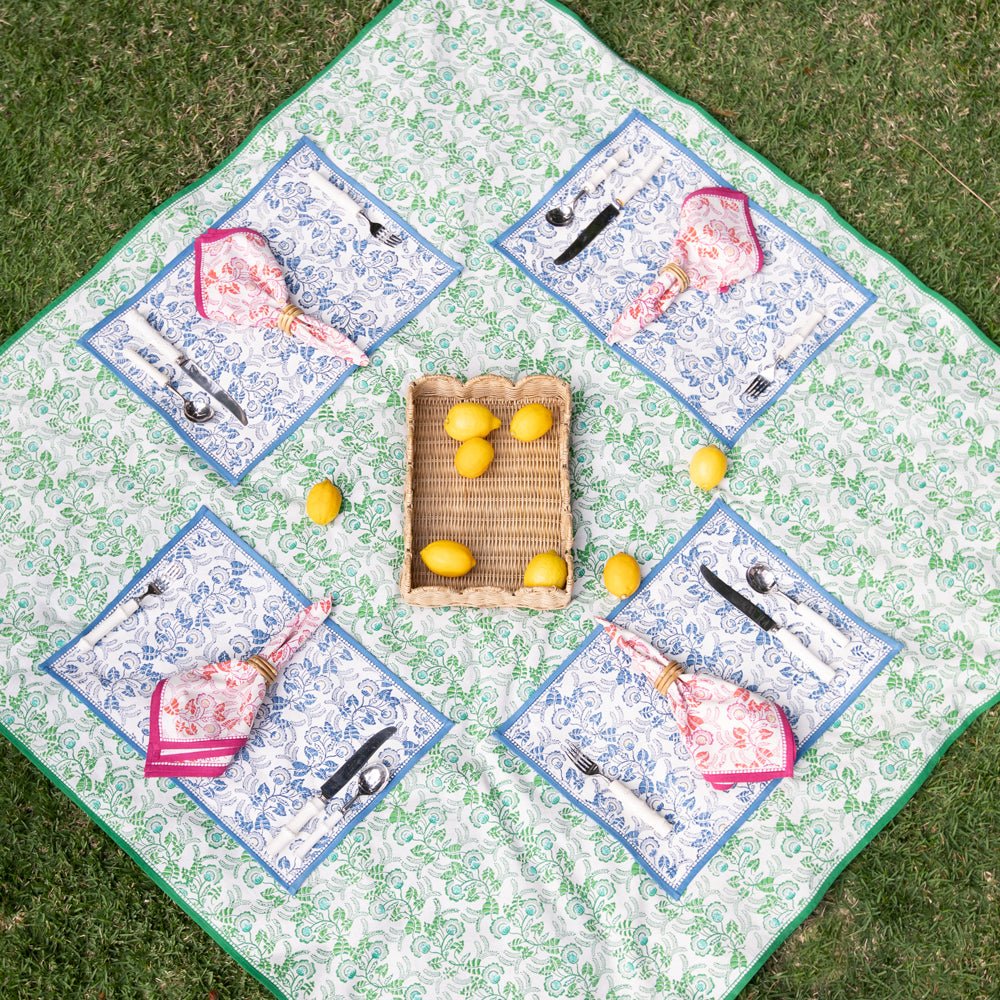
<point x="757" y="387"/>
<point x="579" y="759"/>
<point x="379" y="232"/>
<point x="390" y="239"/>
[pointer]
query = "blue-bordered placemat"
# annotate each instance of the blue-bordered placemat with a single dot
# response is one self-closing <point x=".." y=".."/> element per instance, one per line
<point x="706" y="349"/>
<point x="596" y="699"/>
<point x="334" y="269"/>
<point x="223" y="601"/>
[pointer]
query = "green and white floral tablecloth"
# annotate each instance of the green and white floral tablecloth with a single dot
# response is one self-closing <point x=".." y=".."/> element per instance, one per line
<point x="877" y="470"/>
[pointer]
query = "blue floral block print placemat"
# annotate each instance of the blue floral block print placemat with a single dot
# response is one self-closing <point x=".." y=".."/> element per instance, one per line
<point x="705" y="349"/>
<point x="334" y="269"/>
<point x="221" y="600"/>
<point x="599" y="701"/>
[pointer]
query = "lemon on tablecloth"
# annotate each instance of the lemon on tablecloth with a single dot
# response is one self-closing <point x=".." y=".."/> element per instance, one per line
<point x="473" y="457"/>
<point x="708" y="467"/>
<point x="469" y="420"/>
<point x="622" y="575"/>
<point x="323" y="502"/>
<point x="531" y="422"/>
<point x="548" y="569"/>
<point x="447" y="558"/>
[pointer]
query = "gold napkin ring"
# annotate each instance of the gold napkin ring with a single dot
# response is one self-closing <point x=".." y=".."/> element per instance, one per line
<point x="287" y="317"/>
<point x="680" y="275"/>
<point x="668" y="675"/>
<point x="264" y="667"/>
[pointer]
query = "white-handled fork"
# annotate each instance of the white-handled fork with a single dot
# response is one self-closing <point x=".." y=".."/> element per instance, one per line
<point x="634" y="807"/>
<point x="155" y="588"/>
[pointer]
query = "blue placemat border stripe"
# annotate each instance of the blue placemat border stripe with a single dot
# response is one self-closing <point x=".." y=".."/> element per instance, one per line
<point x="203" y="514"/>
<point x="231" y="478"/>
<point x="675" y="892"/>
<point x="636" y="115"/>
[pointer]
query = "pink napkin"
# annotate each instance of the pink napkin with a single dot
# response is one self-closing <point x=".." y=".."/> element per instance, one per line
<point x="200" y="719"/>
<point x="716" y="245"/>
<point x="732" y="735"/>
<point x="237" y="280"/>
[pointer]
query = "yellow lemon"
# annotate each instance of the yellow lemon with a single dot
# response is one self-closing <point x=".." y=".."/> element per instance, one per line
<point x="447" y="558"/>
<point x="469" y="420"/>
<point x="622" y="575"/>
<point x="323" y="502"/>
<point x="708" y="467"/>
<point x="546" y="570"/>
<point x="531" y="422"/>
<point x="473" y="457"/>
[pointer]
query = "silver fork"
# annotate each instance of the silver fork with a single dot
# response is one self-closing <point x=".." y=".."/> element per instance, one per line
<point x="353" y="210"/>
<point x="759" y="384"/>
<point x="155" y="588"/>
<point x="378" y="230"/>
<point x="633" y="807"/>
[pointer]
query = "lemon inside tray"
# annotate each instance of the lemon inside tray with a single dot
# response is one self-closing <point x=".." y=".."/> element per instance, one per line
<point x="518" y="508"/>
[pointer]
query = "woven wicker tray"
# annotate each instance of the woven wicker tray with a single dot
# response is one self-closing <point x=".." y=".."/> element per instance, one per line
<point x="518" y="508"/>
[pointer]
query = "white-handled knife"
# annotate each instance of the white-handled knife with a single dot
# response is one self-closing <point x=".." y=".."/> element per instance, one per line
<point x="764" y="621"/>
<point x="173" y="355"/>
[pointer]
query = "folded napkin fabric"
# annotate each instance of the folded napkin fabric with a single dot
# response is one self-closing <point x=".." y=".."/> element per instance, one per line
<point x="732" y="734"/>
<point x="237" y="280"/>
<point x="716" y="245"/>
<point x="200" y="719"/>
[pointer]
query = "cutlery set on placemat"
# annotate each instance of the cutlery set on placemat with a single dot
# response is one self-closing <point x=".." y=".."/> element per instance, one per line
<point x="238" y="281"/>
<point x="673" y="721"/>
<point x="716" y="246"/>
<point x="248" y="698"/>
<point x="256" y="321"/>
<point x="639" y="225"/>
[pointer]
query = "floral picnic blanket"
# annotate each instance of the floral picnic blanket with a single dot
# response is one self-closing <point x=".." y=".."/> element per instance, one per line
<point x="331" y="697"/>
<point x="473" y="877"/>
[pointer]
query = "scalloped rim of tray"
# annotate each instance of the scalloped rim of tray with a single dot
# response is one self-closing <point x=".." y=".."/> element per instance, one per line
<point x="489" y="389"/>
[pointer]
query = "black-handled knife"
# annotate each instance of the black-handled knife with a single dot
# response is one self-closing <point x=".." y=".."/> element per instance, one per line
<point x="609" y="212"/>
<point x="764" y="621"/>
<point x="316" y="805"/>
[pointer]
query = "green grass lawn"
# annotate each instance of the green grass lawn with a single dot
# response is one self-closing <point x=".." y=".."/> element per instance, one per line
<point x="108" y="107"/>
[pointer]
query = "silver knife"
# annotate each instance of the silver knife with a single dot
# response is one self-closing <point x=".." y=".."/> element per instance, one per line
<point x="316" y="805"/>
<point x="173" y="355"/>
<point x="609" y="212"/>
<point x="764" y="621"/>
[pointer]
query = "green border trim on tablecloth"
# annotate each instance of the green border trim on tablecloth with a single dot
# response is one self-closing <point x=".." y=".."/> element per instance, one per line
<point x="385" y="12"/>
<point x="153" y="875"/>
<point x="911" y="790"/>
<point x="194" y="185"/>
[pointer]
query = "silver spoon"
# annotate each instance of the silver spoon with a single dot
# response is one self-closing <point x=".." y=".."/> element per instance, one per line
<point x="763" y="579"/>
<point x="371" y="780"/>
<point x="195" y="412"/>
<point x="559" y="216"/>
